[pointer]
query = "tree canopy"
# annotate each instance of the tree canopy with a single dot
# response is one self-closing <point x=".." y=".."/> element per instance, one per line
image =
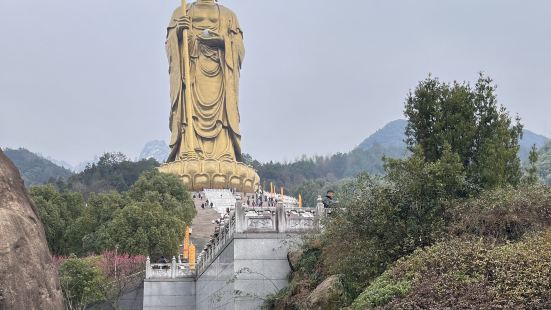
<point x="148" y="219"/>
<point x="470" y="120"/>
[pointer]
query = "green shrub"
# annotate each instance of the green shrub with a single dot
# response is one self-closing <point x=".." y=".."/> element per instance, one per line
<point x="504" y="214"/>
<point x="81" y="281"/>
<point x="468" y="274"/>
<point x="381" y="291"/>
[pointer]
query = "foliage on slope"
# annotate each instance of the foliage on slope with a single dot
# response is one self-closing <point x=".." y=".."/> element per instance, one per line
<point x="496" y="254"/>
<point x="467" y="274"/>
<point x="36" y="169"/>
<point x="463" y="146"/>
<point x="544" y="164"/>
<point x="113" y="172"/>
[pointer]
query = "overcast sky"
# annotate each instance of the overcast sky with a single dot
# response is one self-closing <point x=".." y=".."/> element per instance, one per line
<point x="78" y="78"/>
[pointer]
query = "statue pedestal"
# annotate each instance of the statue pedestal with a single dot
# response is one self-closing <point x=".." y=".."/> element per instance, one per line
<point x="200" y="174"/>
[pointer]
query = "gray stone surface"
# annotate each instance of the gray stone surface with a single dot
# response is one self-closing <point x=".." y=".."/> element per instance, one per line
<point x="169" y="295"/>
<point x="132" y="300"/>
<point x="249" y="268"/>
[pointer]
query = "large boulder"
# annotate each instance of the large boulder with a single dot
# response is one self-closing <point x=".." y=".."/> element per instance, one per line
<point x="327" y="296"/>
<point x="294" y="258"/>
<point x="28" y="278"/>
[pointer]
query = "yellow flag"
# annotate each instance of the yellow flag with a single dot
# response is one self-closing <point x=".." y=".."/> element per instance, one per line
<point x="186" y="244"/>
<point x="192" y="257"/>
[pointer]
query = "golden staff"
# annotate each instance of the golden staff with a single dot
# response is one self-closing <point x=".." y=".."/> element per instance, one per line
<point x="187" y="80"/>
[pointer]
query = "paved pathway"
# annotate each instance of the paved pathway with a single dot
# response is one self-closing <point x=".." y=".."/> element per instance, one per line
<point x="202" y="226"/>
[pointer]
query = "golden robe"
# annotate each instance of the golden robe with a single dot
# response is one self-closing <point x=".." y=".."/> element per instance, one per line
<point x="214" y="78"/>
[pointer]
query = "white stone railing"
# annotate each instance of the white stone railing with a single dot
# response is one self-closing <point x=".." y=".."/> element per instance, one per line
<point x="283" y="218"/>
<point x="173" y="270"/>
<point x="222" y="236"/>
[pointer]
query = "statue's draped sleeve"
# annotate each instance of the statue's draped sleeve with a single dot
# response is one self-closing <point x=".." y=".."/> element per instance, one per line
<point x="234" y="56"/>
<point x="175" y="58"/>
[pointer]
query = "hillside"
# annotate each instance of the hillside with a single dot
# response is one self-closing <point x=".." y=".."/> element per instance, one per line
<point x="36" y="169"/>
<point x="495" y="255"/>
<point x="317" y="173"/>
<point x="391" y="138"/>
<point x="112" y="172"/>
<point x="530" y="138"/>
<point x="544" y="163"/>
<point x="367" y="157"/>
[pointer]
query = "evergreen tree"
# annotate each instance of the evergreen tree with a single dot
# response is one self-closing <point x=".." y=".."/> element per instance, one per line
<point x="531" y="176"/>
<point x="470" y="120"/>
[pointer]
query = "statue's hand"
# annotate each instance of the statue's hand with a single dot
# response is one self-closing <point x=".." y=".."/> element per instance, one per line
<point x="183" y="23"/>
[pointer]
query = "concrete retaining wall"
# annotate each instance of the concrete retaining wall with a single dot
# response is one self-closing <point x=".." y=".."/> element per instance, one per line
<point x="169" y="294"/>
<point x="251" y="267"/>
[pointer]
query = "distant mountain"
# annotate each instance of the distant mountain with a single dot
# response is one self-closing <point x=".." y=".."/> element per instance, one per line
<point x="390" y="139"/>
<point x="391" y="135"/>
<point x="156" y="149"/>
<point x="530" y="138"/>
<point x="544" y="163"/>
<point x="36" y="169"/>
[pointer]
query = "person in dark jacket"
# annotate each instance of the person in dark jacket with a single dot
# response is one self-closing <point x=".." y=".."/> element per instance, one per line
<point x="328" y="201"/>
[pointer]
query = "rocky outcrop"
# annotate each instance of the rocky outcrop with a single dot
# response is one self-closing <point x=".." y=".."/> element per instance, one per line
<point x="327" y="296"/>
<point x="294" y="258"/>
<point x="28" y="278"/>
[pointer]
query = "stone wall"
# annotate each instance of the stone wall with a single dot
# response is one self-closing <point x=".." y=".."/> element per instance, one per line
<point x="250" y="268"/>
<point x="177" y="294"/>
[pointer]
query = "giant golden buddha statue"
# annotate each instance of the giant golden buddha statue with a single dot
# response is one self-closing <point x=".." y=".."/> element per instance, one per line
<point x="205" y="51"/>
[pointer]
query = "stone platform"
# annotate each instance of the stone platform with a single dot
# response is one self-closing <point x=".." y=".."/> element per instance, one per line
<point x="244" y="261"/>
<point x="201" y="174"/>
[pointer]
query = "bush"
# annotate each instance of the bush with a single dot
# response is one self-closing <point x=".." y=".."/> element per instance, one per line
<point x="381" y="291"/>
<point x="504" y="214"/>
<point x="467" y="274"/>
<point x="80" y="282"/>
<point x="389" y="218"/>
<point x="98" y="279"/>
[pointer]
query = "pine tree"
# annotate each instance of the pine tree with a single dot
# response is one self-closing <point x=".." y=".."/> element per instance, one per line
<point x="531" y="176"/>
<point x="474" y="125"/>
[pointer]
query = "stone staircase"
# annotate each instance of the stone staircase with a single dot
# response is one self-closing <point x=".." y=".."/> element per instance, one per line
<point x="202" y="226"/>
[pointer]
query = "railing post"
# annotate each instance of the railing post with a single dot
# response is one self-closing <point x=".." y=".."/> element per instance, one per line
<point x="229" y="223"/>
<point x="320" y="209"/>
<point x="239" y="217"/>
<point x="281" y="218"/>
<point x="148" y="268"/>
<point x="173" y="268"/>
